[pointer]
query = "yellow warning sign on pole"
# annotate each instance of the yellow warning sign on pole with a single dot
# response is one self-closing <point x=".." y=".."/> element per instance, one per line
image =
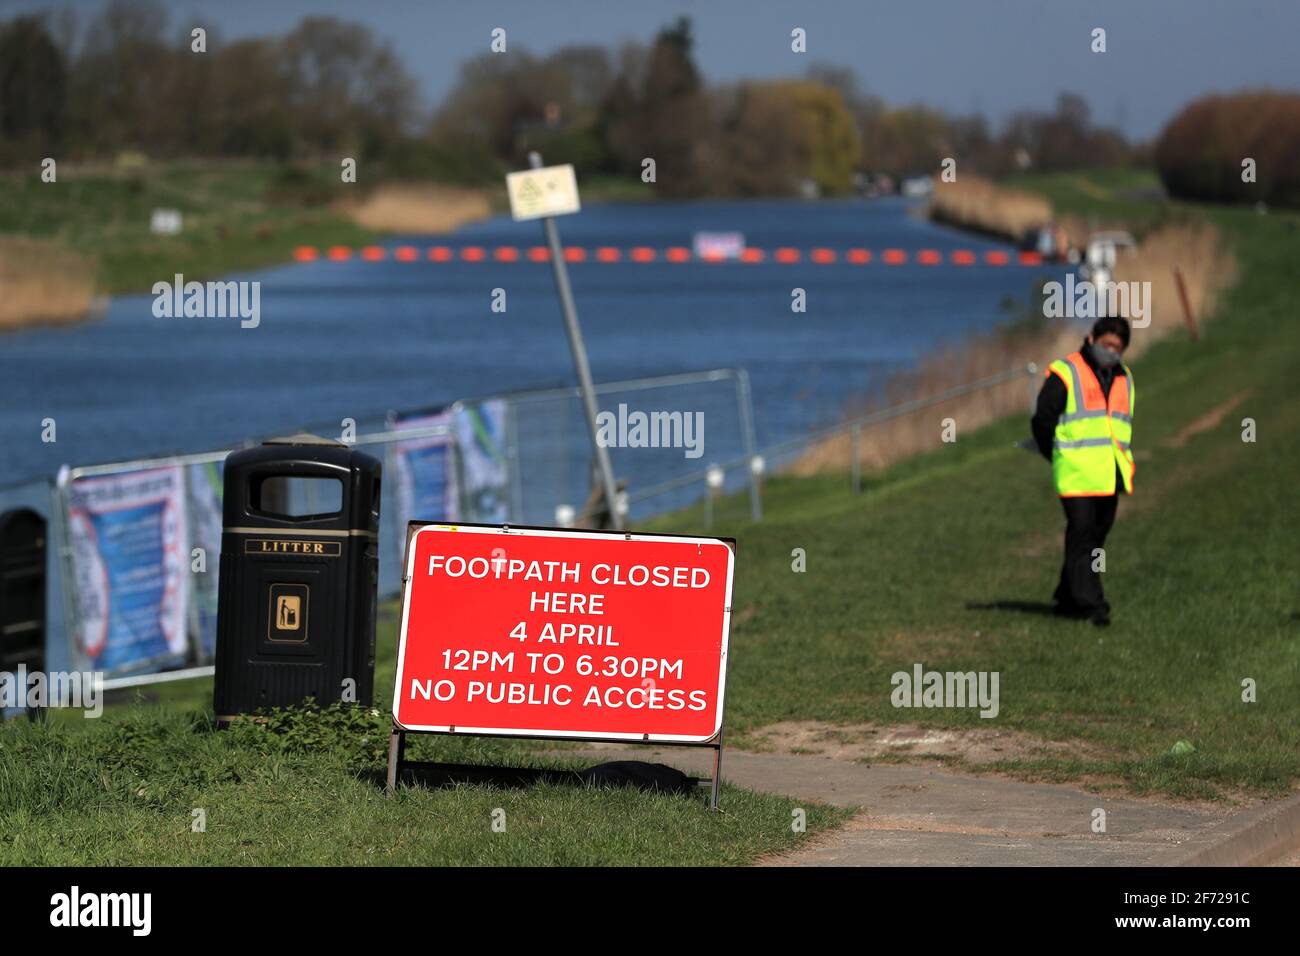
<point x="539" y="193"/>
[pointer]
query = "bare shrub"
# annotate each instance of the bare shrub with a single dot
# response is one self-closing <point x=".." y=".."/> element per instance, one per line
<point x="1200" y="152"/>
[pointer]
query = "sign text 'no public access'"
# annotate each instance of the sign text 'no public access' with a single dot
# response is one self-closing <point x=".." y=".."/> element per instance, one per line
<point x="542" y="632"/>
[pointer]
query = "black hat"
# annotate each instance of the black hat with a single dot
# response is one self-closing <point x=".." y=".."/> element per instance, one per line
<point x="1114" y="324"/>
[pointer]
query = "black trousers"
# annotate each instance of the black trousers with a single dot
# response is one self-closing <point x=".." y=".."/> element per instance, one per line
<point x="1088" y="521"/>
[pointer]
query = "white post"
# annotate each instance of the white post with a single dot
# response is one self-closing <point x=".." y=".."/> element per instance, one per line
<point x="579" y="356"/>
<point x="714" y="478"/>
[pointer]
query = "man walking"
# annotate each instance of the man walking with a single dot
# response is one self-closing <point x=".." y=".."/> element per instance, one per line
<point x="1083" y="425"/>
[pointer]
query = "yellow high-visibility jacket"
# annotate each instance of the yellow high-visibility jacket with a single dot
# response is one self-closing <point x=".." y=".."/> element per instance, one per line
<point x="1094" y="433"/>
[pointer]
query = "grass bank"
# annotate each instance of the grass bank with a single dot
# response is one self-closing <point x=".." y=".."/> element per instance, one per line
<point x="305" y="788"/>
<point x="237" y="215"/>
<point x="949" y="559"/>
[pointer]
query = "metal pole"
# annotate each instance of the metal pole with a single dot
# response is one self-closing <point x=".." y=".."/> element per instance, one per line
<point x="745" y="401"/>
<point x="59" y="494"/>
<point x="579" y="355"/>
<point x="1031" y="371"/>
<point x="512" y="457"/>
<point x="162" y="677"/>
<point x="1188" y="315"/>
<point x="717" y="775"/>
<point x="394" y="761"/>
<point x="855" y="468"/>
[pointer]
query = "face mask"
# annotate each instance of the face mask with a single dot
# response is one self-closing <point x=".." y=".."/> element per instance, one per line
<point x="1103" y="356"/>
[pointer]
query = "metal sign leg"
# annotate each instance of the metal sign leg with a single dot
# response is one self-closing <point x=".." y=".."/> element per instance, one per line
<point x="717" y="776"/>
<point x="396" y="751"/>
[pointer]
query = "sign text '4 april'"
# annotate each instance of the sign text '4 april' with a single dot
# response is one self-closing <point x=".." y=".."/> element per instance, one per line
<point x="564" y="634"/>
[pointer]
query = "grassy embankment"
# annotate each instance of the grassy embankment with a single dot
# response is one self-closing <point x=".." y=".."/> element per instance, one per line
<point x="87" y="234"/>
<point x="306" y="788"/>
<point x="948" y="559"/>
<point x="65" y="244"/>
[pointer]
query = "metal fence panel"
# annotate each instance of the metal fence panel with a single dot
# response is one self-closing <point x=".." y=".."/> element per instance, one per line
<point x="694" y="419"/>
<point x="514" y="457"/>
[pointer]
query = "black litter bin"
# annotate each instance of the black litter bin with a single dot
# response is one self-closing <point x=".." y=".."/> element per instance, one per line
<point x="22" y="590"/>
<point x="299" y="575"/>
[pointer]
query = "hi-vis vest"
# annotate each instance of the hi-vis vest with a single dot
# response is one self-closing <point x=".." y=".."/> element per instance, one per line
<point x="1093" y="434"/>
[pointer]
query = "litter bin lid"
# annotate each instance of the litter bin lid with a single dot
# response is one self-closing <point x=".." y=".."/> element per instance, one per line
<point x="303" y="438"/>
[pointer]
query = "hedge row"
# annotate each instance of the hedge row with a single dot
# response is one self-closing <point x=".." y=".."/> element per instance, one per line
<point x="1200" y="154"/>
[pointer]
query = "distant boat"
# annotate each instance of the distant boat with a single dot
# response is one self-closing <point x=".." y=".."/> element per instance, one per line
<point x="719" y="245"/>
<point x="1099" y="260"/>
<point x="917" y="186"/>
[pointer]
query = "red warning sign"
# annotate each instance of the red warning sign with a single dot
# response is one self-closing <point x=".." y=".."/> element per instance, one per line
<point x="550" y="633"/>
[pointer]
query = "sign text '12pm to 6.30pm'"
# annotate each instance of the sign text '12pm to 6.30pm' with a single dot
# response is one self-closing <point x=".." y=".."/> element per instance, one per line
<point x="550" y="633"/>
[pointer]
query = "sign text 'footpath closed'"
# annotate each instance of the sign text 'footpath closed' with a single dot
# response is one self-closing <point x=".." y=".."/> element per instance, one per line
<point x="564" y="633"/>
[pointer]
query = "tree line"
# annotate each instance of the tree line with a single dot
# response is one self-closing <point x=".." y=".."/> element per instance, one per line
<point x="129" y="80"/>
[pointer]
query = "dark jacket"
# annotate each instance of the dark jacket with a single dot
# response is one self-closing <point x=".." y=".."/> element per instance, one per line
<point x="1052" y="396"/>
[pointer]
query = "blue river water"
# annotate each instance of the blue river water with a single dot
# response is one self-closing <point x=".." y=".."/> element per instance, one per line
<point x="357" y="338"/>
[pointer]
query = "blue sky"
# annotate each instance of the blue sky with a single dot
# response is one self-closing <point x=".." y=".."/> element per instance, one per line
<point x="995" y="56"/>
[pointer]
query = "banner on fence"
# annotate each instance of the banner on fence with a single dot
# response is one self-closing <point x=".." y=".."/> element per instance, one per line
<point x="128" y="541"/>
<point x="481" y="440"/>
<point x="205" y="487"/>
<point x="424" y="472"/>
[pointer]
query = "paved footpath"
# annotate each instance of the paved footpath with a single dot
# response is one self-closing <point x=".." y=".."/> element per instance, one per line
<point x="923" y="815"/>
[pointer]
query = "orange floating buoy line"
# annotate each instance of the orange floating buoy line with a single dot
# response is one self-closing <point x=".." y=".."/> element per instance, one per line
<point x="782" y="255"/>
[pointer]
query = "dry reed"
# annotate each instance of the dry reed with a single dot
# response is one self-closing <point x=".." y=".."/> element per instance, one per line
<point x="979" y="205"/>
<point x="43" y="284"/>
<point x="1208" y="269"/>
<point x="417" y="208"/>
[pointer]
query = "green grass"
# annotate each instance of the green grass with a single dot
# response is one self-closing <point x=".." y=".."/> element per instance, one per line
<point x="1202" y="571"/>
<point x="1107" y="195"/>
<point x="232" y="218"/>
<point x="607" y="188"/>
<point x="305" y="788"/>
